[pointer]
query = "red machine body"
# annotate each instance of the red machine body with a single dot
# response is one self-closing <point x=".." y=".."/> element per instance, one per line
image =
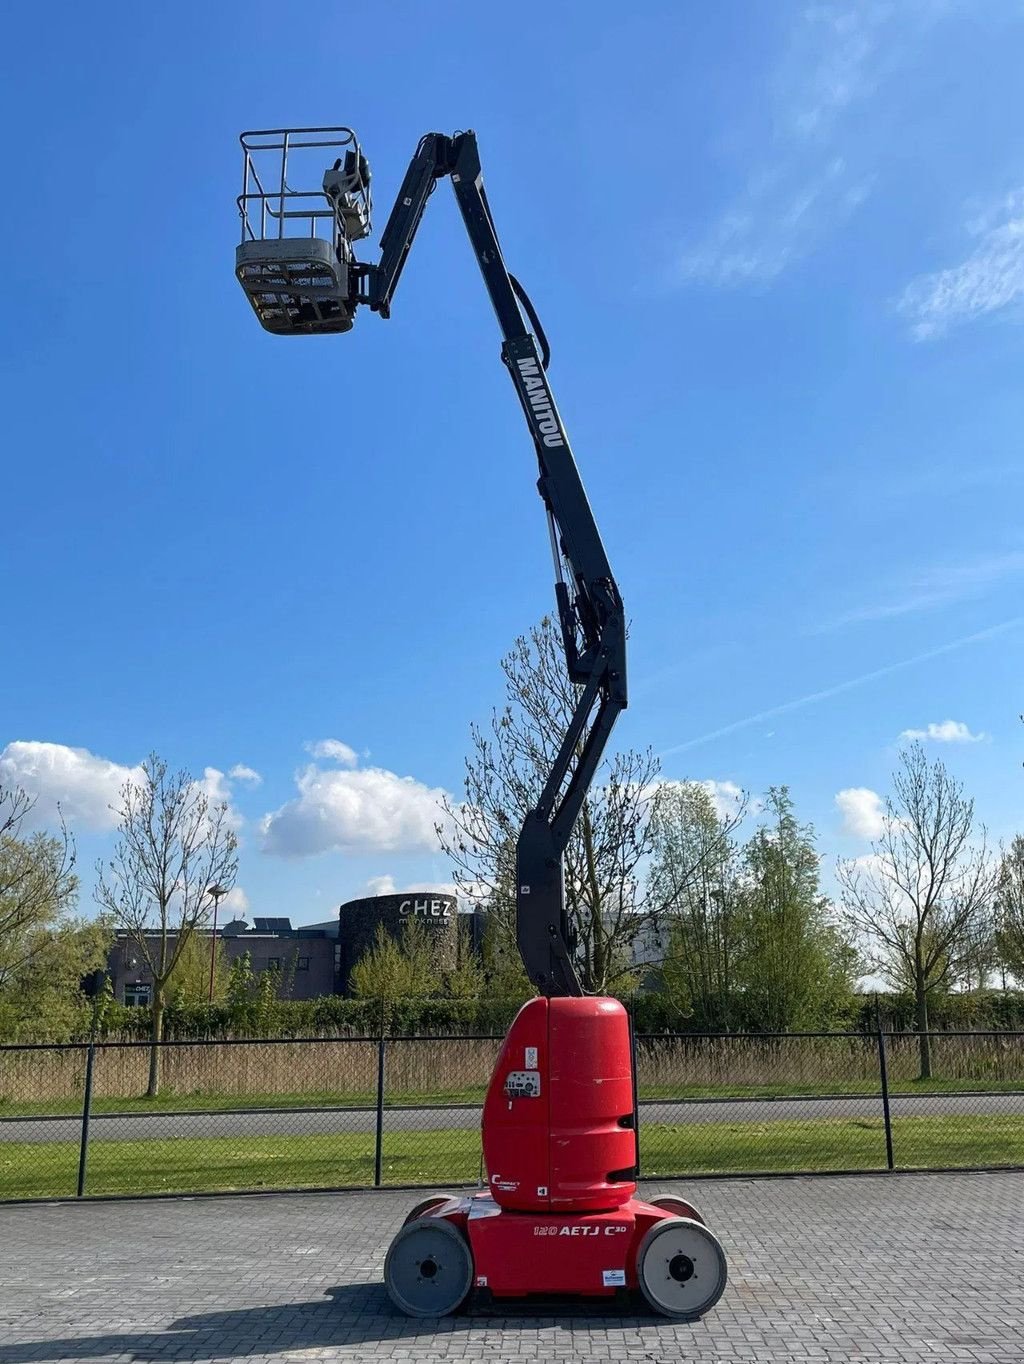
<point x="559" y="1216"/>
<point x="559" y="1131"/>
<point x="519" y="1254"/>
<point x="559" y="1139"/>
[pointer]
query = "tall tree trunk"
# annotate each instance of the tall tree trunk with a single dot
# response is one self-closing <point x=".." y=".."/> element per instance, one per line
<point x="924" y="1042"/>
<point x="156" y="1037"/>
<point x="595" y="973"/>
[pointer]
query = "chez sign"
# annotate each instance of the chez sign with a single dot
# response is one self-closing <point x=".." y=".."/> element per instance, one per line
<point x="426" y="909"/>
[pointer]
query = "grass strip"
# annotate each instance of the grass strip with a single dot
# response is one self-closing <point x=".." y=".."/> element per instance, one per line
<point x="446" y="1156"/>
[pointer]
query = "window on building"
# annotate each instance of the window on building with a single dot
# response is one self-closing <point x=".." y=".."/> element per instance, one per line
<point x="273" y="963"/>
<point x="139" y="995"/>
<point x="302" y="964"/>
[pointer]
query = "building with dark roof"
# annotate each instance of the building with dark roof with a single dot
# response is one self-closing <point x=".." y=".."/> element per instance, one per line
<point x="316" y="959"/>
<point x="307" y="956"/>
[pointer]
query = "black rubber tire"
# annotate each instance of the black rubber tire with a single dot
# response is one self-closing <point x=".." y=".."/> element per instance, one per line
<point x="427" y="1205"/>
<point x="446" y="1250"/>
<point x="679" y="1206"/>
<point x="681" y="1268"/>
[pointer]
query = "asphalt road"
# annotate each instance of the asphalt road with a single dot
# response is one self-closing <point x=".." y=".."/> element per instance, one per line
<point x="285" y="1123"/>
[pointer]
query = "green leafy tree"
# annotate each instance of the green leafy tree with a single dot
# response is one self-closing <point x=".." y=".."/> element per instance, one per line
<point x="1009" y="901"/>
<point x="44" y="948"/>
<point x="419" y="964"/>
<point x="394" y="969"/>
<point x="695" y="884"/>
<point x="463" y="978"/>
<point x="239" y="992"/>
<point x="922" y="902"/>
<point x="269" y="987"/>
<point x="256" y="1000"/>
<point x="795" y="971"/>
<point x="189" y="984"/>
<point x="173" y="844"/>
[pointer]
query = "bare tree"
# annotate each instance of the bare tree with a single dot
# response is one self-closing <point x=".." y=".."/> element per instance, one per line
<point x="505" y="772"/>
<point x="922" y="901"/>
<point x="173" y="844"/>
<point x="1010" y="910"/>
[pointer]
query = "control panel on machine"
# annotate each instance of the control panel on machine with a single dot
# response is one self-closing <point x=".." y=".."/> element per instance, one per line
<point x="523" y="1084"/>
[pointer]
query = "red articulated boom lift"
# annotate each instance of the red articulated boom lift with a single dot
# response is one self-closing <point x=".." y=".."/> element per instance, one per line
<point x="560" y="1213"/>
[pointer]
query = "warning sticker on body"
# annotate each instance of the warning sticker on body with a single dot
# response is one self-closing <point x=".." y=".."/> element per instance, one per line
<point x="531" y="1058"/>
<point x="614" y="1278"/>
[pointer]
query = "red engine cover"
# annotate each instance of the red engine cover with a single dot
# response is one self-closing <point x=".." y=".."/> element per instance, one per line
<point x="557" y="1122"/>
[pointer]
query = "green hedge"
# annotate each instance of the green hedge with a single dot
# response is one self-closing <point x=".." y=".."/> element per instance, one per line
<point x="652" y="1013"/>
<point x="325" y="1017"/>
<point x="980" y="1011"/>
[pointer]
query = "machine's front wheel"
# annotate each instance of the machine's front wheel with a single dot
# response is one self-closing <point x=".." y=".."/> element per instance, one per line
<point x="679" y="1208"/>
<point x="681" y="1267"/>
<point x="429" y="1268"/>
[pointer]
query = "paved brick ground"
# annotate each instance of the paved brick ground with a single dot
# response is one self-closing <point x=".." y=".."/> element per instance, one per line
<point x="912" y="1268"/>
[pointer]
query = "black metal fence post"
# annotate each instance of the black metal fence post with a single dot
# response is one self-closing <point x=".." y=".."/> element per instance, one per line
<point x="883" y="1071"/>
<point x="83" y="1150"/>
<point x="379" y="1145"/>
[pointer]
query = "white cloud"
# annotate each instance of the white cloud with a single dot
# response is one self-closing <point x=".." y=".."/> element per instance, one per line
<point x="333" y="750"/>
<point x="354" y="811"/>
<point x="215" y="786"/>
<point x="945" y="732"/>
<point x="217" y="789"/>
<point x="988" y="280"/>
<point x="814" y="167"/>
<point x="779" y="219"/>
<point x="386" y="885"/>
<point x="726" y="797"/>
<point x="234" y="905"/>
<point x="872" y="866"/>
<point x="247" y="774"/>
<point x="863" y="811"/>
<point x="84" y="785"/>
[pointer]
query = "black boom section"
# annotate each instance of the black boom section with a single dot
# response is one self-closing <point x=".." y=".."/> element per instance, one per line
<point x="589" y="606"/>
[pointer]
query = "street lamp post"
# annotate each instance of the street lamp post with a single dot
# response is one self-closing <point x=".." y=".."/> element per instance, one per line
<point x="216" y="893"/>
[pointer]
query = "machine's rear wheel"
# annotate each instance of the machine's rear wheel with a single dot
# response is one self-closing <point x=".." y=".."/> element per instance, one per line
<point x="679" y="1207"/>
<point x="429" y="1268"/>
<point x="681" y="1268"/>
<point x="421" y="1209"/>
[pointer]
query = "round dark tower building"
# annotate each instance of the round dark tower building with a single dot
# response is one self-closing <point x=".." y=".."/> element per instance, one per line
<point x="358" y="921"/>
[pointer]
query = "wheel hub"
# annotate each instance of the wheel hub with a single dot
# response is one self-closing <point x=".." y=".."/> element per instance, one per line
<point x="681" y="1268"/>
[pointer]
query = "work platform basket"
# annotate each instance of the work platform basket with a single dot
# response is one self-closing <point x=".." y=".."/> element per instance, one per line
<point x="295" y="259"/>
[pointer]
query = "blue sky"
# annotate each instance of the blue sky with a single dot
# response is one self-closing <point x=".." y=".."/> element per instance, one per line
<point x="779" y="252"/>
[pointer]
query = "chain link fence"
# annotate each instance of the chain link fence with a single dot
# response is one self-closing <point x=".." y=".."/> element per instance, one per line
<point x="405" y="1111"/>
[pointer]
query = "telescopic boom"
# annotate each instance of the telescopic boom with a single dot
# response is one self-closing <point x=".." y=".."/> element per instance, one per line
<point x="325" y="295"/>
